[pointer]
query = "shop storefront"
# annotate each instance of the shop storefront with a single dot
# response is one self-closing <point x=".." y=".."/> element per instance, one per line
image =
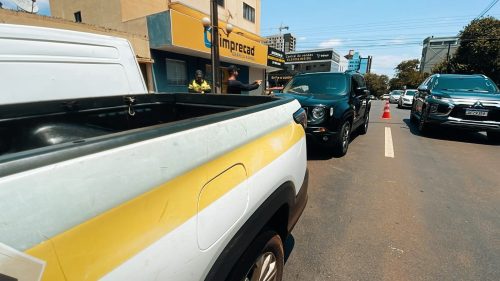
<point x="180" y="45"/>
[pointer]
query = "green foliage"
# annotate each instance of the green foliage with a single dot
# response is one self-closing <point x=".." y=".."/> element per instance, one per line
<point x="407" y="74"/>
<point x="479" y="50"/>
<point x="377" y="84"/>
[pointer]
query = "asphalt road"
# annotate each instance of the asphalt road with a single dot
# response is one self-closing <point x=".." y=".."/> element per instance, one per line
<point x="430" y="213"/>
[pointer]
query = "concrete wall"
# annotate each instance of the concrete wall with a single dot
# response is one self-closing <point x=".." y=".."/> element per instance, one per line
<point x="256" y="74"/>
<point x="139" y="43"/>
<point x="433" y="55"/>
<point x="108" y="13"/>
<point x="133" y="9"/>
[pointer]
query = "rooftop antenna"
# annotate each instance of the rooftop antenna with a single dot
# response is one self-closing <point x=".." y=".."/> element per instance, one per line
<point x="29" y="6"/>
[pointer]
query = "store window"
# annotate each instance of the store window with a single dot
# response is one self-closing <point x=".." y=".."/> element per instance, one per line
<point x="176" y="72"/>
<point x="248" y="12"/>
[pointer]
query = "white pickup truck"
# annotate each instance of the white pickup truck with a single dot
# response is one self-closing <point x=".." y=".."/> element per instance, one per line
<point x="149" y="187"/>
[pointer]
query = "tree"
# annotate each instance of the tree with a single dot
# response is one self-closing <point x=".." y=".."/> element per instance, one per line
<point x="479" y="50"/>
<point x="377" y="84"/>
<point x="407" y="74"/>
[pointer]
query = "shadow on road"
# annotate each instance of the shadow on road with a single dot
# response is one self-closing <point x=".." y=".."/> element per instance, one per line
<point x="289" y="244"/>
<point x="451" y="134"/>
<point x="318" y="152"/>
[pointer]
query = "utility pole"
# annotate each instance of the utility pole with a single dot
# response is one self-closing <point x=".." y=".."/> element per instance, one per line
<point x="214" y="18"/>
<point x="448" y="59"/>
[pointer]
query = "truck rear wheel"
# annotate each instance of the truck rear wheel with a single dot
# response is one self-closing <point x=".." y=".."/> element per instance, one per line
<point x="263" y="260"/>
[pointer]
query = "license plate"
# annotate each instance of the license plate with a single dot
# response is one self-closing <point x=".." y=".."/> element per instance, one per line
<point x="472" y="112"/>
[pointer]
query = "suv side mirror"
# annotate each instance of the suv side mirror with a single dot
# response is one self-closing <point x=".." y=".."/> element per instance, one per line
<point x="359" y="91"/>
<point x="423" y="88"/>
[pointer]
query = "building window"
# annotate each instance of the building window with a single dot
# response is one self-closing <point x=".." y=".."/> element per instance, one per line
<point x="78" y="16"/>
<point x="248" y="12"/>
<point x="220" y="3"/>
<point x="176" y="72"/>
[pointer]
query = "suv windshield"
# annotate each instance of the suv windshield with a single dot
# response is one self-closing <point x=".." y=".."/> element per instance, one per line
<point x="466" y="84"/>
<point x="328" y="83"/>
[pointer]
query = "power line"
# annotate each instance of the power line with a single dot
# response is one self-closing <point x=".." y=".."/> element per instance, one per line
<point x="493" y="3"/>
<point x="385" y="23"/>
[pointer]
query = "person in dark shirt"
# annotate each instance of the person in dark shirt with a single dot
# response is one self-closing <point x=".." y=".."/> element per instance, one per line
<point x="235" y="87"/>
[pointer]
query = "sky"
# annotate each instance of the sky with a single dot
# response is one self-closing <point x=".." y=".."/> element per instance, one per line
<point x="390" y="31"/>
<point x="43" y="5"/>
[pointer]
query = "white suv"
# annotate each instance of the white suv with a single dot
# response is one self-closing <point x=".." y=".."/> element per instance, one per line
<point x="406" y="99"/>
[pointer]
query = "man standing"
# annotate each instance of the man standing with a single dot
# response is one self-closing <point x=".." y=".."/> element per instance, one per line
<point x="199" y="85"/>
<point x="234" y="86"/>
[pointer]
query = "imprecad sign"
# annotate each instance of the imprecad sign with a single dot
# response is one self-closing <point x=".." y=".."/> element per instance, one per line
<point x="237" y="49"/>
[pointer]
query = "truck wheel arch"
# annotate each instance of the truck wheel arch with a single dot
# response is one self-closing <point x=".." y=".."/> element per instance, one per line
<point x="267" y="216"/>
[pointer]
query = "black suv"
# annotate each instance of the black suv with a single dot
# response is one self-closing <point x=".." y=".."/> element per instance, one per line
<point x="336" y="104"/>
<point x="469" y="102"/>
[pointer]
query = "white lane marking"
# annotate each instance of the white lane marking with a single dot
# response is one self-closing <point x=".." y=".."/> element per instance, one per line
<point x="389" y="148"/>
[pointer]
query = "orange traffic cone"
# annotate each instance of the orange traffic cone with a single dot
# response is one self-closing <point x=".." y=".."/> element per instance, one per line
<point x="387" y="111"/>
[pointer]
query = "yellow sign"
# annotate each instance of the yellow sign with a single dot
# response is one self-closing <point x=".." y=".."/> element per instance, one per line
<point x="188" y="32"/>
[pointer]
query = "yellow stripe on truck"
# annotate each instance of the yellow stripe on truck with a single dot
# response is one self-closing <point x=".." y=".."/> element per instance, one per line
<point x="92" y="249"/>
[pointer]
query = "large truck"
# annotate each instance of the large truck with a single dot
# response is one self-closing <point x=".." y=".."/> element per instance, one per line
<point x="146" y="186"/>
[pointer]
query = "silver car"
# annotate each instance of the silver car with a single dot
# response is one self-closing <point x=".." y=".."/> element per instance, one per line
<point x="394" y="96"/>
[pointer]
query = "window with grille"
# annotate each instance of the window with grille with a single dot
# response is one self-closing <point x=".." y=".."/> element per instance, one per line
<point x="176" y="72"/>
<point x="248" y="12"/>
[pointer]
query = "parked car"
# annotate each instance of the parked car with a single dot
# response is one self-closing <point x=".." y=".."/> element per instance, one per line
<point x="372" y="97"/>
<point x="394" y="96"/>
<point x="470" y="102"/>
<point x="336" y="104"/>
<point x="406" y="99"/>
<point x="143" y="186"/>
<point x="385" y="96"/>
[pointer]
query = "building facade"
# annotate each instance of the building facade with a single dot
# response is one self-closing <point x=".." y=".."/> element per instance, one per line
<point x="436" y="50"/>
<point x="177" y="38"/>
<point x="307" y="61"/>
<point x="283" y="42"/>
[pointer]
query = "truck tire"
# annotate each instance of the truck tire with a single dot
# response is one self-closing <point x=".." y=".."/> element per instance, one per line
<point x="364" y="128"/>
<point x="494" y="137"/>
<point x="341" y="142"/>
<point x="264" y="259"/>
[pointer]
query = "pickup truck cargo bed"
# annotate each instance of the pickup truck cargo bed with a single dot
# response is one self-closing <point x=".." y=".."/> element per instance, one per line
<point x="106" y="122"/>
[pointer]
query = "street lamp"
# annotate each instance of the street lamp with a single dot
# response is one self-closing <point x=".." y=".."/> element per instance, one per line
<point x="212" y="25"/>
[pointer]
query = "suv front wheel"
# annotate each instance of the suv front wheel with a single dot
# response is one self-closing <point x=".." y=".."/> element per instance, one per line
<point x="423" y="126"/>
<point x="341" y="142"/>
<point x="494" y="137"/>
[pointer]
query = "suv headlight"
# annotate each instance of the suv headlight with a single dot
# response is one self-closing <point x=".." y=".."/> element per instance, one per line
<point x="318" y="113"/>
<point x="441" y="98"/>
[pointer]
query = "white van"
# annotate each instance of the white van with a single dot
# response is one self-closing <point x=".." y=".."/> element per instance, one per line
<point x="39" y="64"/>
